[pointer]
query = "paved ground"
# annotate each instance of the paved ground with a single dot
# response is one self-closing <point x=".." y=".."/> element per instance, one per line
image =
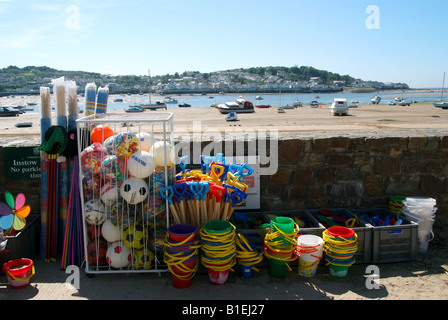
<point x="423" y="279"/>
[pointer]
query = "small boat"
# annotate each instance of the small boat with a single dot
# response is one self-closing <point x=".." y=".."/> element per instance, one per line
<point x="404" y="103"/>
<point x="5" y="112"/>
<point x="353" y="104"/>
<point x="258" y="98"/>
<point x="32" y="103"/>
<point x="134" y="109"/>
<point x="170" y="100"/>
<point x="118" y="100"/>
<point x="298" y="103"/>
<point x="375" y="100"/>
<point x="314" y="104"/>
<point x="239" y="106"/>
<point x="281" y="110"/>
<point x="184" y="105"/>
<point x="442" y="104"/>
<point x="24" y="124"/>
<point x="339" y="107"/>
<point x="153" y="106"/>
<point x="232" y="116"/>
<point x="262" y="106"/>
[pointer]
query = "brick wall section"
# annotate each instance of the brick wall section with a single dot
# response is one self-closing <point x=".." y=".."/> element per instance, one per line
<point x="336" y="172"/>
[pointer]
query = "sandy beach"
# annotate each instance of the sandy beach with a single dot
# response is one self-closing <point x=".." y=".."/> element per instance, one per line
<point x="302" y="121"/>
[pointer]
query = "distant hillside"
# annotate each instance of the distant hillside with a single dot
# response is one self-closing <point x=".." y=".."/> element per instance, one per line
<point x="29" y="79"/>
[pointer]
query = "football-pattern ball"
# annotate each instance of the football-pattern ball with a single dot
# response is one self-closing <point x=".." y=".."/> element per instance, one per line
<point x="142" y="259"/>
<point x="94" y="212"/>
<point x="118" y="256"/>
<point x="96" y="252"/>
<point x="134" y="190"/>
<point x="135" y="236"/>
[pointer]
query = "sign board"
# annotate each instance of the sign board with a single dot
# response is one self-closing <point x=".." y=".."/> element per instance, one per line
<point x="21" y="163"/>
<point x="253" y="181"/>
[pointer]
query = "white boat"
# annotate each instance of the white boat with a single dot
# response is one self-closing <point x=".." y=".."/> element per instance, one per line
<point x="238" y="106"/>
<point x="232" y="116"/>
<point x="153" y="106"/>
<point x="339" y="107"/>
<point x="298" y="103"/>
<point x="375" y="100"/>
<point x="353" y="104"/>
<point x="170" y="100"/>
<point x="314" y="104"/>
<point x="281" y="110"/>
<point x="442" y="104"/>
<point x="258" y="98"/>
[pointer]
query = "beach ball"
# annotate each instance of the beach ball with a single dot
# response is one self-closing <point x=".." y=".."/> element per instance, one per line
<point x="157" y="151"/>
<point x="109" y="193"/>
<point x="134" y="190"/>
<point x="154" y="207"/>
<point x="157" y="180"/>
<point x="96" y="252"/>
<point x="100" y="133"/>
<point x="118" y="256"/>
<point x="141" y="164"/>
<point x="91" y="186"/>
<point x="91" y="158"/>
<point x="94" y="212"/>
<point x="110" y="232"/>
<point x="135" y="236"/>
<point x="110" y="169"/>
<point x="143" y="259"/>
<point x="145" y="141"/>
<point x="108" y="144"/>
<point x="121" y="215"/>
<point x="125" y="144"/>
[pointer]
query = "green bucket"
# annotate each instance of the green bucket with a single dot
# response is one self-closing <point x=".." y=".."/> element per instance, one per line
<point x="277" y="268"/>
<point x="283" y="224"/>
<point x="338" y="271"/>
<point x="218" y="226"/>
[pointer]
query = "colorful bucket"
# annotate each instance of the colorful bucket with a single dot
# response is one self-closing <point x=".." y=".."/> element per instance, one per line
<point x="310" y="248"/>
<point x="182" y="232"/>
<point x="183" y="273"/>
<point x="19" y="272"/>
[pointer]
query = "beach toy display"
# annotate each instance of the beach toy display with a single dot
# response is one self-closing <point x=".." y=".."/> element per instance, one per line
<point x="218" y="249"/>
<point x="120" y="184"/>
<point x="280" y="245"/>
<point x="310" y="250"/>
<point x="421" y="210"/>
<point x="206" y="194"/>
<point x="340" y="247"/>
<point x="19" y="272"/>
<point x="247" y="256"/>
<point x="181" y="247"/>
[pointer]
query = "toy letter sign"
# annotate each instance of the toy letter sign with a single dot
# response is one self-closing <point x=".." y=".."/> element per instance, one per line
<point x="22" y="163"/>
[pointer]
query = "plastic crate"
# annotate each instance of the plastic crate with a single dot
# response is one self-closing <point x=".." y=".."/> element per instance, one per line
<point x="250" y="224"/>
<point x="312" y="226"/>
<point x="364" y="232"/>
<point x="392" y="243"/>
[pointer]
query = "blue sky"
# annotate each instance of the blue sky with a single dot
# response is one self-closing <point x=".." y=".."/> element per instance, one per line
<point x="397" y="40"/>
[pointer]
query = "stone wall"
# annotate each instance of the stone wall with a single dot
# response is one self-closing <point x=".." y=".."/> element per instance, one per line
<point x="336" y="172"/>
<point x="343" y="172"/>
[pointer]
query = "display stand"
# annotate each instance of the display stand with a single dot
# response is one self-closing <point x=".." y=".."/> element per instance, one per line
<point x="122" y="232"/>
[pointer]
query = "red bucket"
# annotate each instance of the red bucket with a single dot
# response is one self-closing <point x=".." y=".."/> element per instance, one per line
<point x="182" y="278"/>
<point x="342" y="232"/>
<point x="19" y="272"/>
<point x="218" y="277"/>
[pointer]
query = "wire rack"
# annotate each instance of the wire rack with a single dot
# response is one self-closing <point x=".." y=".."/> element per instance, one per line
<point x="125" y="219"/>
